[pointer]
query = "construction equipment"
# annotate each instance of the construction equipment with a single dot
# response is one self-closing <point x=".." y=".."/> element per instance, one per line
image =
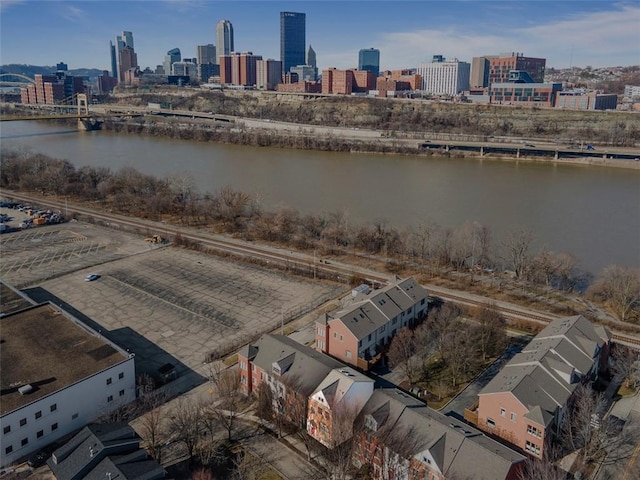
<point x="154" y="239"/>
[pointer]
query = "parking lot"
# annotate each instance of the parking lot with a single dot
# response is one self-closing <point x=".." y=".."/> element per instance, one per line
<point x="165" y="304"/>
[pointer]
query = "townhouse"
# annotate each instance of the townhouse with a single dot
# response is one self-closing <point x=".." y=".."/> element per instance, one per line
<point x="400" y="437"/>
<point x="524" y="404"/>
<point x="358" y="333"/>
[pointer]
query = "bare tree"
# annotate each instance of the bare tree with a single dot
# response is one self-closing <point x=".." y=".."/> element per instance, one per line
<point x="490" y="331"/>
<point x="620" y="287"/>
<point x="627" y="365"/>
<point x="461" y="355"/>
<point x="441" y="322"/>
<point x="516" y="250"/>
<point x="402" y="353"/>
<point x="185" y="422"/>
<point x="264" y="403"/>
<point x="225" y="402"/>
<point x="153" y="424"/>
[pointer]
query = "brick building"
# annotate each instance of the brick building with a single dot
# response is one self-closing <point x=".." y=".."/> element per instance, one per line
<point x="500" y="66"/>
<point x="543" y="94"/>
<point x="582" y="100"/>
<point x="346" y="82"/>
<point x="51" y="89"/>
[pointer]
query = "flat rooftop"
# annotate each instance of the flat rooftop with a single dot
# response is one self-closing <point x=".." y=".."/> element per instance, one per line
<point x="42" y="347"/>
<point x="10" y="300"/>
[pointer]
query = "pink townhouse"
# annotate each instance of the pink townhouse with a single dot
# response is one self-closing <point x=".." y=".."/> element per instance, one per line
<point x="359" y="332"/>
<point x="524" y="404"/>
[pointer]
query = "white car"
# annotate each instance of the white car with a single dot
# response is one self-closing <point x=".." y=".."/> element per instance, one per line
<point x="91" y="277"/>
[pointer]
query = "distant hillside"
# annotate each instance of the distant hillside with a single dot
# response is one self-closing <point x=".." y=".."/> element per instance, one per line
<point x="32" y="70"/>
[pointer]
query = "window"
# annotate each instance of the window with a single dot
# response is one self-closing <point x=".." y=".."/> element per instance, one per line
<point x="394" y="321"/>
<point x="38" y="414"/>
<point x="9" y="449"/>
<point x="531" y="430"/>
<point x="120" y="375"/>
<point x="40" y="434"/>
<point x="109" y="381"/>
<point x="6" y="429"/>
<point x="243" y="380"/>
<point x="54" y="427"/>
<point x="491" y="423"/>
<point x="532" y="447"/>
<point x="369" y="337"/>
<point x="23" y="422"/>
<point x="243" y="365"/>
<point x="121" y="392"/>
<point x="422" y="302"/>
<point x="348" y="354"/>
<point x="503" y="412"/>
<point x="74" y="416"/>
<point x="335" y="334"/>
<point x="53" y="407"/>
<point x="110" y="398"/>
<point x="24" y="441"/>
<point x="513" y="417"/>
<point x="340" y="337"/>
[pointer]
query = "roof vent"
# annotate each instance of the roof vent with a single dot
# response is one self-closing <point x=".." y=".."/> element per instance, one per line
<point x="25" y="389"/>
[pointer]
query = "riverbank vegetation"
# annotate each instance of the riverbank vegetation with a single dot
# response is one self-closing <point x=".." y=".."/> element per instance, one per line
<point x="468" y="255"/>
<point x="404" y="117"/>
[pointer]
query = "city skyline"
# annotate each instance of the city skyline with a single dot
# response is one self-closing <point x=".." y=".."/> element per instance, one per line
<point x="407" y="35"/>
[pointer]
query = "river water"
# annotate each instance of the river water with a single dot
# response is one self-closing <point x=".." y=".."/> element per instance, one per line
<point x="592" y="212"/>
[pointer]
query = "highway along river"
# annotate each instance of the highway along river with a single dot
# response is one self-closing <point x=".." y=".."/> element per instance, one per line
<point x="592" y="212"/>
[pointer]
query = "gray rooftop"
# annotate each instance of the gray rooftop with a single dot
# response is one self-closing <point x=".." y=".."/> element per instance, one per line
<point x="300" y="366"/>
<point x="548" y="370"/>
<point x="453" y="445"/>
<point x="375" y="309"/>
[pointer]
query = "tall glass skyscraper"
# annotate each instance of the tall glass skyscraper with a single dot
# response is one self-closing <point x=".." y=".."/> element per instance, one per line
<point x="369" y="59"/>
<point x="292" y="39"/>
<point x="224" y="39"/>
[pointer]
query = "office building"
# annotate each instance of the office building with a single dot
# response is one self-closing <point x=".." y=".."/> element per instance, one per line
<point x="224" y="39"/>
<point x="311" y="58"/>
<point x="583" y="100"/>
<point x="188" y="69"/>
<point x="106" y="83"/>
<point x="480" y="68"/>
<point x="305" y="73"/>
<point x="239" y="69"/>
<point x="500" y="66"/>
<point x="125" y="41"/>
<point x="170" y="58"/>
<point x="57" y="375"/>
<point x="114" y="60"/>
<point x="268" y="74"/>
<point x="369" y="59"/>
<point x="206" y="54"/>
<point x="443" y="77"/>
<point x="128" y="61"/>
<point x="292" y="39"/>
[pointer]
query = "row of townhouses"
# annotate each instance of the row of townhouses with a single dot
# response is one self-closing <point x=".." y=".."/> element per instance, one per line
<point x="397" y="435"/>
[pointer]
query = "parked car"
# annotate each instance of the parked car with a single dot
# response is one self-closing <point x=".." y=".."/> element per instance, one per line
<point x="91" y="277"/>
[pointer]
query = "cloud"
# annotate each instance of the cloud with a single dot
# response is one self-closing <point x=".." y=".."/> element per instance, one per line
<point x="74" y="14"/>
<point x="599" y="38"/>
<point x="5" y="4"/>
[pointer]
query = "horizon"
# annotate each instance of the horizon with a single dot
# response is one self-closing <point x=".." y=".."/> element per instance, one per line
<point x="407" y="35"/>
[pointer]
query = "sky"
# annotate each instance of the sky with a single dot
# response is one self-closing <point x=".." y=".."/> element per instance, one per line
<point x="407" y="33"/>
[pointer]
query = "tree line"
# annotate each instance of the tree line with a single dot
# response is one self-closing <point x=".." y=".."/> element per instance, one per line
<point x="468" y="252"/>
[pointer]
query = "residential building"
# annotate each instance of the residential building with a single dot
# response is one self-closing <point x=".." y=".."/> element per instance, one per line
<point x="358" y="333"/>
<point x="52" y="89"/>
<point x="103" y="452"/>
<point x="224" y="39"/>
<point x="632" y="92"/>
<point x="583" y="100"/>
<point x="346" y="82"/>
<point x="239" y="69"/>
<point x="106" y="83"/>
<point x="500" y="66"/>
<point x="400" y="437"/>
<point x="268" y="74"/>
<point x="335" y="404"/>
<point x="444" y="77"/>
<point x="542" y="94"/>
<point x="291" y="370"/>
<point x="292" y="39"/>
<point x="524" y="404"/>
<point x="170" y="58"/>
<point x="369" y="59"/>
<point x="57" y="375"/>
<point x="392" y="82"/>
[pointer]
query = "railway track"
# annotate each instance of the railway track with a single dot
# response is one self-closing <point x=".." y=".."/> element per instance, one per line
<point x="269" y="255"/>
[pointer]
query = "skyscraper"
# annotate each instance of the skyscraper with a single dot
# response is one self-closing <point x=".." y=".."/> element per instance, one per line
<point x="114" y="60"/>
<point x="122" y="41"/>
<point x="170" y="58"/>
<point x="224" y="39"/>
<point x="369" y="60"/>
<point x="292" y="39"/>
<point x="311" y="57"/>
<point x="206" y="54"/>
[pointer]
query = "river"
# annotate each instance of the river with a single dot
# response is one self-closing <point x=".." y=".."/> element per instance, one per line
<point x="592" y="212"/>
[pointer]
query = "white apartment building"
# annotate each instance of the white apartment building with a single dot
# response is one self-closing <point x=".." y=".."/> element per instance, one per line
<point x="445" y="77"/>
<point x="57" y="375"/>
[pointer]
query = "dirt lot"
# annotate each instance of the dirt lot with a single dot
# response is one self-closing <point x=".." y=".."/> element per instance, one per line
<point x="165" y="304"/>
